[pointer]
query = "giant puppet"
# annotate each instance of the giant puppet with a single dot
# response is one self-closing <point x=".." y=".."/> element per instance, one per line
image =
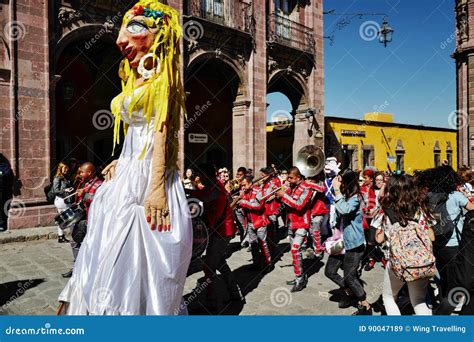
<point x="137" y="250"/>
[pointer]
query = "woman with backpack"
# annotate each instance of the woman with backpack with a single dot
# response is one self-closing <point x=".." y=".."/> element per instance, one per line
<point x="404" y="225"/>
<point x="60" y="189"/>
<point x="449" y="205"/>
<point x="348" y="209"/>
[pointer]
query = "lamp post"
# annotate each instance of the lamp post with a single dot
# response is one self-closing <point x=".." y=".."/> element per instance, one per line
<point x="385" y="34"/>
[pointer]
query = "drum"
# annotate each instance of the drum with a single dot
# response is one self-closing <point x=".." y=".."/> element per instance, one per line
<point x="200" y="237"/>
<point x="70" y="216"/>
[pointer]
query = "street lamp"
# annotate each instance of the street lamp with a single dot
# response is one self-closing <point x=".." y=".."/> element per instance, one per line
<point x="385" y="34"/>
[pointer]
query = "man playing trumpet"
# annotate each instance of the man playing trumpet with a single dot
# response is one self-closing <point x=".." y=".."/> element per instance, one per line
<point x="270" y="184"/>
<point x="257" y="223"/>
<point x="297" y="199"/>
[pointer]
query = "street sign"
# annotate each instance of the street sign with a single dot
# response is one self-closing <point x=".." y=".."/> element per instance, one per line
<point x="391" y="159"/>
<point x="197" y="138"/>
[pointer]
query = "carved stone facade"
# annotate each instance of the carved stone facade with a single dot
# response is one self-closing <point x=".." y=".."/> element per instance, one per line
<point x="36" y="92"/>
<point x="276" y="52"/>
<point x="464" y="56"/>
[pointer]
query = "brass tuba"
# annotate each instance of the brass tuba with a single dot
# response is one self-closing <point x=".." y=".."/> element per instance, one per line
<point x="310" y="160"/>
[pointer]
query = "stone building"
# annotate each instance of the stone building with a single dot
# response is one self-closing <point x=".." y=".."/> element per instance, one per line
<point x="464" y="56"/>
<point x="58" y="73"/>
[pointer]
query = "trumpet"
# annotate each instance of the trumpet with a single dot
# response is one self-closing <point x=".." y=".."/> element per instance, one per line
<point x="263" y="177"/>
<point x="233" y="186"/>
<point x="271" y="196"/>
<point x="237" y="199"/>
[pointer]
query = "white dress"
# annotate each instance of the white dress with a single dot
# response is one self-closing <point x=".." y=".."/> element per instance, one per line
<point x="123" y="267"/>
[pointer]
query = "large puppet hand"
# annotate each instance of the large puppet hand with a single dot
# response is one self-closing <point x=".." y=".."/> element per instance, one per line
<point x="156" y="205"/>
<point x="157" y="211"/>
<point x="109" y="171"/>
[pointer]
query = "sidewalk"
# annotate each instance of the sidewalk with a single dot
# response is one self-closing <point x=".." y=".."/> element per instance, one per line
<point x="28" y="234"/>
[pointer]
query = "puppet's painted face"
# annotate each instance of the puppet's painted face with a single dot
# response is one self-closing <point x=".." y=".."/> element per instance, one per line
<point x="135" y="38"/>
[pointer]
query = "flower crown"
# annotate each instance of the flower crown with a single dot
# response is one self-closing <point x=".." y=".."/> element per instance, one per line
<point x="147" y="12"/>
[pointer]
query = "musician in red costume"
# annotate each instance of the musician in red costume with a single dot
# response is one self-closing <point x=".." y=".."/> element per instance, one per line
<point x="257" y="223"/>
<point x="219" y="220"/>
<point x="270" y="183"/>
<point x="297" y="199"/>
<point x="319" y="208"/>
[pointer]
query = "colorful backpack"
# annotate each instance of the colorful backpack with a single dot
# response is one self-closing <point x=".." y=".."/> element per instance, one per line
<point x="411" y="250"/>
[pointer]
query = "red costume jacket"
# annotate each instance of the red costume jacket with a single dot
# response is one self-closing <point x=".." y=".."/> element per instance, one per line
<point x="298" y="201"/>
<point x="254" y="209"/>
<point x="271" y="207"/>
<point x="319" y="203"/>
<point x="217" y="211"/>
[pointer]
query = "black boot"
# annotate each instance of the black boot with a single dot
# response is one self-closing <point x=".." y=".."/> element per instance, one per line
<point x="256" y="257"/>
<point x="67" y="274"/>
<point x="363" y="311"/>
<point x="62" y="239"/>
<point x="346" y="302"/>
<point x="301" y="283"/>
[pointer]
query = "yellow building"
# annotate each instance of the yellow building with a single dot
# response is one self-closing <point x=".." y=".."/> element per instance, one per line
<point x="378" y="141"/>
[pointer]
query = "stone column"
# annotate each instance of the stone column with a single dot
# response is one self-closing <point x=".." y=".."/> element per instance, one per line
<point x="301" y="138"/>
<point x="470" y="111"/>
<point x="258" y="85"/>
<point x="32" y="110"/>
<point x="240" y="115"/>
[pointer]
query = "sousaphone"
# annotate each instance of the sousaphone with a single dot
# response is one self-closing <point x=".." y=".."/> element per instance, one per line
<point x="310" y="160"/>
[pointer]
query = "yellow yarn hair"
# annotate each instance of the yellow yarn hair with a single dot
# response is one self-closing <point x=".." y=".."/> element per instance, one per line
<point x="163" y="94"/>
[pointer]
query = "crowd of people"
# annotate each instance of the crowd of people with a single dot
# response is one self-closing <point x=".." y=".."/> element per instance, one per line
<point x="411" y="225"/>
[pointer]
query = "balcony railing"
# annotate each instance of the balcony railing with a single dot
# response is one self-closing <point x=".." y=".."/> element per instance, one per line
<point x="231" y="13"/>
<point x="290" y="33"/>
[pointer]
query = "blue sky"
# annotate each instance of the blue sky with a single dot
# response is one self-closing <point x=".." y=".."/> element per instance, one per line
<point x="414" y="77"/>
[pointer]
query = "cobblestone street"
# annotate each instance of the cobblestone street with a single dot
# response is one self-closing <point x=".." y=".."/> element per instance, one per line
<point x="30" y="274"/>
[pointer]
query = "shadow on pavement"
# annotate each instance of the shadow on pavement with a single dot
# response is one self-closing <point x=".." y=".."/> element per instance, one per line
<point x="247" y="276"/>
<point x="15" y="289"/>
